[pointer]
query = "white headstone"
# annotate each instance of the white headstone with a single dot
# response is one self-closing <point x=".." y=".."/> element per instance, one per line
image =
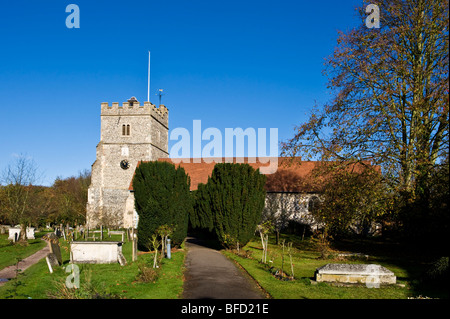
<point x="30" y="233"/>
<point x="14" y="234"/>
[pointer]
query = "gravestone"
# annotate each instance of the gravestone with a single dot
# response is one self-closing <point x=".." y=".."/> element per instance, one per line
<point x="14" y="234"/>
<point x="53" y="244"/>
<point x="58" y="232"/>
<point x="52" y="261"/>
<point x="121" y="259"/>
<point x="30" y="233"/>
<point x="4" y="229"/>
<point x="370" y="274"/>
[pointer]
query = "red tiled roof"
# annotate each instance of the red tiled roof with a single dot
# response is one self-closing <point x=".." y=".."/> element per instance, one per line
<point x="292" y="175"/>
<point x="199" y="172"/>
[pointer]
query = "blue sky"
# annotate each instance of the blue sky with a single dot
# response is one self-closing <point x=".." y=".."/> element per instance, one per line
<point x="227" y="63"/>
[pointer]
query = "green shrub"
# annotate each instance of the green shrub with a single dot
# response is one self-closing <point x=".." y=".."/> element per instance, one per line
<point x="162" y="197"/>
<point x="438" y="270"/>
<point x="147" y="274"/>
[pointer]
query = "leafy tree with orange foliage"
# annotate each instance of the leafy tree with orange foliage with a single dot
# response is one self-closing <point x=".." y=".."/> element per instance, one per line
<point x="70" y="198"/>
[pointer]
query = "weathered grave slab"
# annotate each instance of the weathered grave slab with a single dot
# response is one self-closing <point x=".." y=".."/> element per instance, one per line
<point x="370" y="274"/>
<point x="121" y="259"/>
<point x="53" y="244"/>
<point x="52" y="261"/>
<point x="98" y="252"/>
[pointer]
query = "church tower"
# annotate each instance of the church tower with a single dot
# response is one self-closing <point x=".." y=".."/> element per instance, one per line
<point x="130" y="133"/>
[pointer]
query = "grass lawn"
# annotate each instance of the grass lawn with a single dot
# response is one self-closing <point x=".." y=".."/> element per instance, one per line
<point x="305" y="260"/>
<point x="101" y="281"/>
<point x="115" y="281"/>
<point x="10" y="253"/>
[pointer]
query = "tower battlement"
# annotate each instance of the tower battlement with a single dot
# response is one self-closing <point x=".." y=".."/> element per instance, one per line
<point x="134" y="107"/>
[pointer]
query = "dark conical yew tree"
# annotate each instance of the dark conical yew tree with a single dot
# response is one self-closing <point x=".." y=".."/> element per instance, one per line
<point x="202" y="217"/>
<point x="162" y="197"/>
<point x="237" y="195"/>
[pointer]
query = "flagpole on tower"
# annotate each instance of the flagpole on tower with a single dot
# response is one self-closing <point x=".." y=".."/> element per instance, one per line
<point x="148" y="88"/>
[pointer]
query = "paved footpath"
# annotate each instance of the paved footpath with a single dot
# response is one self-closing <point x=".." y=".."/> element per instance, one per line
<point x="10" y="271"/>
<point x="211" y="275"/>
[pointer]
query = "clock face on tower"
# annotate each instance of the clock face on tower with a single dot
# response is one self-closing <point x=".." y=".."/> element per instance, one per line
<point x="124" y="164"/>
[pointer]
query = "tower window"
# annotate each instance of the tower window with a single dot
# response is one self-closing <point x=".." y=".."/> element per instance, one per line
<point x="126" y="129"/>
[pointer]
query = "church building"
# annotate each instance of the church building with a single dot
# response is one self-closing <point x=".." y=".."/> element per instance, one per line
<point x="132" y="133"/>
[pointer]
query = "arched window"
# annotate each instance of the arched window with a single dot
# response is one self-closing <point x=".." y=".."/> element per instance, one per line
<point x="313" y="203"/>
<point x="125" y="129"/>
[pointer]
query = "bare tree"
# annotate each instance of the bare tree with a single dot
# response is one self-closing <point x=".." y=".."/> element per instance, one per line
<point x="18" y="178"/>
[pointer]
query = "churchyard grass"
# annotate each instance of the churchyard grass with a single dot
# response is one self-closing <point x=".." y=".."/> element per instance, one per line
<point x="100" y="281"/>
<point x="10" y="253"/>
<point x="305" y="259"/>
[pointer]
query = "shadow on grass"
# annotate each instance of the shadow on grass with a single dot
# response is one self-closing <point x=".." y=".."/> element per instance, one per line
<point x="414" y="258"/>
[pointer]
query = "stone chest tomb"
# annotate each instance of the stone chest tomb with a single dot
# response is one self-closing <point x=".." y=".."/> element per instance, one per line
<point x="370" y="274"/>
<point x="100" y="252"/>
